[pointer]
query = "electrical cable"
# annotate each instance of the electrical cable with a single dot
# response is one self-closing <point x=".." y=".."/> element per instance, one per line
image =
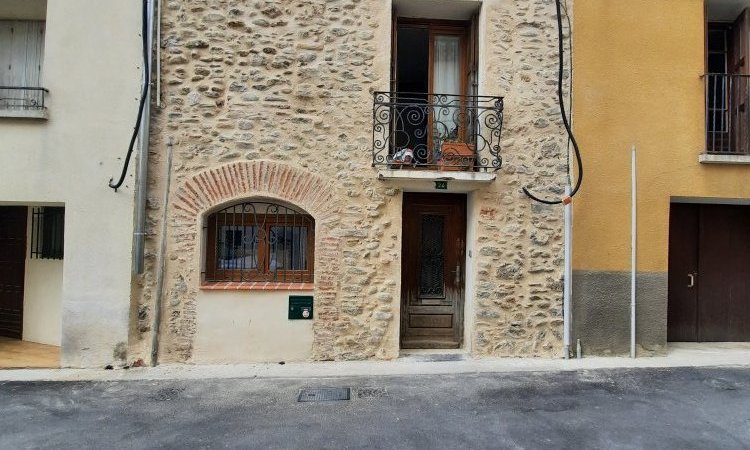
<point x="566" y="122"/>
<point x="144" y="94"/>
<point x="571" y="58"/>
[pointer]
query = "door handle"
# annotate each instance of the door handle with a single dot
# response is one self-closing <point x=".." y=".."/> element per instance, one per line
<point x="457" y="274"/>
<point x="691" y="277"/>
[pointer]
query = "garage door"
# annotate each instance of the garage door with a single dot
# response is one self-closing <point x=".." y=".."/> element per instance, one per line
<point x="709" y="273"/>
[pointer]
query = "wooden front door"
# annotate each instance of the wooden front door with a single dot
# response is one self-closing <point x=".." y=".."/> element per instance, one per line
<point x="12" y="266"/>
<point x="709" y="273"/>
<point x="432" y="271"/>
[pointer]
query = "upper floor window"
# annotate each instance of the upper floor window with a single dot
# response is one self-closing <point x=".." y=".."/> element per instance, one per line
<point x="260" y="241"/>
<point x="21" y="55"/>
<point x="728" y="78"/>
<point x="434" y="72"/>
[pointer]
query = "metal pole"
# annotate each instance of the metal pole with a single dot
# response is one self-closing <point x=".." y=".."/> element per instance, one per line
<point x="567" y="276"/>
<point x="633" y="241"/>
<point x="139" y="236"/>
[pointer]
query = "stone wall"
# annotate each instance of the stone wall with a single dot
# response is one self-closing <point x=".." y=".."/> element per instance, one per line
<point x="520" y="257"/>
<point x="274" y="99"/>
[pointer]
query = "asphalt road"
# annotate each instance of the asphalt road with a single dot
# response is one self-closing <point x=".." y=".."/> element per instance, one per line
<point x="630" y="409"/>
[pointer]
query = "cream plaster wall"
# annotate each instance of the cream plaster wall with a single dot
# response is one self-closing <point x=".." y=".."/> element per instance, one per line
<point x="42" y="301"/>
<point x="92" y="69"/>
<point x="249" y="327"/>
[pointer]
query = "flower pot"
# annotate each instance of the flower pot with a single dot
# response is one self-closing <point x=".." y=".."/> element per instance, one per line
<point x="456" y="156"/>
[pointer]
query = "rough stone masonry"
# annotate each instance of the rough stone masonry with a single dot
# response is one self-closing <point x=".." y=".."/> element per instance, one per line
<point x="274" y="99"/>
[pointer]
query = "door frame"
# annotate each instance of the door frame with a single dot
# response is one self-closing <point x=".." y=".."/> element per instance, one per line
<point x="459" y="310"/>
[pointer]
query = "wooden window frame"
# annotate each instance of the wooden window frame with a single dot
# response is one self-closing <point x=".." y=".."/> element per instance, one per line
<point x="213" y="274"/>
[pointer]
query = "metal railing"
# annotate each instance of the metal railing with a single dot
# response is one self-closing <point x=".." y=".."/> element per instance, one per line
<point x="22" y="97"/>
<point x="436" y="131"/>
<point x="727" y="113"/>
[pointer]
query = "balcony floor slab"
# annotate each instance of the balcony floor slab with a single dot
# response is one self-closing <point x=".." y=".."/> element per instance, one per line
<point x="425" y="180"/>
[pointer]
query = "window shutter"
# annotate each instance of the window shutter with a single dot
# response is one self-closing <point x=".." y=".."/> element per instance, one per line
<point x="21" y="53"/>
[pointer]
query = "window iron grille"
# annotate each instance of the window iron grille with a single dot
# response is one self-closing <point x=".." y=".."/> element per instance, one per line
<point x="47" y="232"/>
<point x="260" y="241"/>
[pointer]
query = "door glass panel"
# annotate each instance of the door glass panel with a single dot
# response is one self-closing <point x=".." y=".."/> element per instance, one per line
<point x="446" y="83"/>
<point x="432" y="258"/>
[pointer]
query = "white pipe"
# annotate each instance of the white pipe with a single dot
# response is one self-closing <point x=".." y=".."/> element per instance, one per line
<point x="633" y="241"/>
<point x="158" y="54"/>
<point x="567" y="275"/>
<point x="139" y="236"/>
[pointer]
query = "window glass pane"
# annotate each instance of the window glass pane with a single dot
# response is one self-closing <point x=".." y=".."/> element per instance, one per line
<point x="447" y="84"/>
<point x="238" y="247"/>
<point x="288" y="245"/>
<point x="432" y="272"/>
<point x="717" y="40"/>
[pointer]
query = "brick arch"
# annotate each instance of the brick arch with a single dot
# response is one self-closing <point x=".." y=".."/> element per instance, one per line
<point x="221" y="185"/>
<point x="206" y="191"/>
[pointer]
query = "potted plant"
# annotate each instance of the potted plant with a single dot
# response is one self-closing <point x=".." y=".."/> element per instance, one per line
<point x="456" y="155"/>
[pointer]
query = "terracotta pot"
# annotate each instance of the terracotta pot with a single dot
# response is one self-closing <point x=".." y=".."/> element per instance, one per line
<point x="456" y="156"/>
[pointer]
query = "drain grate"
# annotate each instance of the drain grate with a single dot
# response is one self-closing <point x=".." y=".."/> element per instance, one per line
<point x="324" y="394"/>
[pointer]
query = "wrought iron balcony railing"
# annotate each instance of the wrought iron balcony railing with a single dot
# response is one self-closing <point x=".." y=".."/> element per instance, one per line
<point x="436" y="131"/>
<point x="22" y="97"/>
<point x="727" y="114"/>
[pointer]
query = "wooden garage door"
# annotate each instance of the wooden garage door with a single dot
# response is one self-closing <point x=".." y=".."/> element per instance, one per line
<point x="709" y="273"/>
<point x="12" y="265"/>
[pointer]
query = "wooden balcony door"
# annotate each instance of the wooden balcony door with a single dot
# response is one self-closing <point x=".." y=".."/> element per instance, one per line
<point x="432" y="270"/>
<point x="428" y="58"/>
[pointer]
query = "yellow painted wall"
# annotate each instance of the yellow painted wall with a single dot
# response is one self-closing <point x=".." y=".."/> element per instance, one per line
<point x="637" y="81"/>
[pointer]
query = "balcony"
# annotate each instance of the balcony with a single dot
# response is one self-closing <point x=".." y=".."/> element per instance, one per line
<point x="727" y="119"/>
<point x="436" y="136"/>
<point x="23" y="102"/>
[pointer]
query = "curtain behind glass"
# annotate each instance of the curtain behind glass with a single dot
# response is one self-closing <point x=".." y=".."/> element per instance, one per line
<point x="446" y="80"/>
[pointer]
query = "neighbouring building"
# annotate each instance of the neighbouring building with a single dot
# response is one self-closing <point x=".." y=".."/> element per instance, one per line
<point x="341" y="179"/>
<point x="68" y="99"/>
<point x="671" y="77"/>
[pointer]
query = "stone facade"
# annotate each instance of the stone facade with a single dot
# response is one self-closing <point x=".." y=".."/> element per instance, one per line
<point x="273" y="99"/>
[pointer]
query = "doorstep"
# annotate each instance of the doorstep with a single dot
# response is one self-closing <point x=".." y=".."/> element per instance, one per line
<point x="679" y="355"/>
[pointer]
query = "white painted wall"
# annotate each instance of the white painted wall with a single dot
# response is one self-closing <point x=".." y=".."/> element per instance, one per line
<point x="92" y="69"/>
<point x="248" y="327"/>
<point x="42" y="301"/>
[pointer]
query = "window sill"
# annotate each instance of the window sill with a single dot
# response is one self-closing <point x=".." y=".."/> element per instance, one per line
<point x="41" y="114"/>
<point x="707" y="158"/>
<point x="428" y="180"/>
<point x="256" y="286"/>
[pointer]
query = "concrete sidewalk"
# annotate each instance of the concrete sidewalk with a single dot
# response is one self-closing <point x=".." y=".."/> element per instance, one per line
<point x="680" y="355"/>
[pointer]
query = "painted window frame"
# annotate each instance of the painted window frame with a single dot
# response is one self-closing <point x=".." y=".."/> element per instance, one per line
<point x="263" y="271"/>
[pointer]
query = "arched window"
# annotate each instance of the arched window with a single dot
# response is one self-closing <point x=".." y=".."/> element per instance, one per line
<point x="260" y="241"/>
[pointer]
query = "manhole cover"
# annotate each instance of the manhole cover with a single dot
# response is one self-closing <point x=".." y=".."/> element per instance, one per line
<point x="324" y="394"/>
